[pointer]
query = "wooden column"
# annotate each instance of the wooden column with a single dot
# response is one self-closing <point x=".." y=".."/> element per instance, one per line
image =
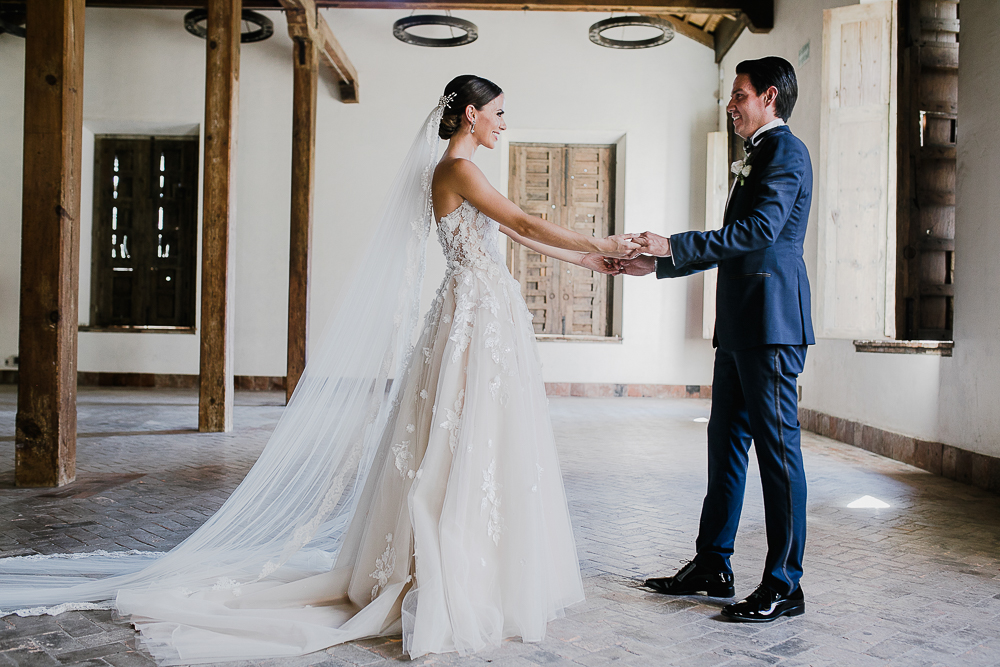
<point x="222" y="79"/>
<point x="305" y="79"/>
<point x="50" y="244"/>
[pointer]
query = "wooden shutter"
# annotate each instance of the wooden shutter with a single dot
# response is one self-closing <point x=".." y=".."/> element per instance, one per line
<point x="172" y="265"/>
<point x="145" y="232"/>
<point x="928" y="112"/>
<point x="857" y="184"/>
<point x="572" y="186"/>
<point x="717" y="186"/>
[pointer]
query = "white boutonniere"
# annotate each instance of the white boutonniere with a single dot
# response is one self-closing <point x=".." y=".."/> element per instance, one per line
<point x="741" y="169"/>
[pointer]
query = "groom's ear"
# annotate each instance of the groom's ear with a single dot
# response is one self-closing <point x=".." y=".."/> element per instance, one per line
<point x="771" y="99"/>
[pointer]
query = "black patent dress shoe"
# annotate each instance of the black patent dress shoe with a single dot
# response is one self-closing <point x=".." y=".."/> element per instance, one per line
<point x="694" y="579"/>
<point x="764" y="605"/>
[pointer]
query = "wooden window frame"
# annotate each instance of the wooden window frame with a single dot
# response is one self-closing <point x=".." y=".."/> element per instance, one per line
<point x="182" y="200"/>
<point x="613" y="284"/>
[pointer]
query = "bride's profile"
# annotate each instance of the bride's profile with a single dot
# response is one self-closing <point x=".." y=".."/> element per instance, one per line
<point x="408" y="488"/>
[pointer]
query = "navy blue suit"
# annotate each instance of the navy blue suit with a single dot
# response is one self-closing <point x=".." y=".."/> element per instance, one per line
<point x="763" y="325"/>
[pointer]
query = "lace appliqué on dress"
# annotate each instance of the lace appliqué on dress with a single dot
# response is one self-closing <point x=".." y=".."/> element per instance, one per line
<point x="385" y="565"/>
<point x="403" y="457"/>
<point x="491" y="501"/>
<point x="453" y="420"/>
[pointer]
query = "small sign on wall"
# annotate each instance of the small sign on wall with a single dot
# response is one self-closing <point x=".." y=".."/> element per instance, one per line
<point x="804" y="54"/>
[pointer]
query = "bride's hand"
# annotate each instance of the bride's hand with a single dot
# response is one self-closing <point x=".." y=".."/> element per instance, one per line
<point x="623" y="246"/>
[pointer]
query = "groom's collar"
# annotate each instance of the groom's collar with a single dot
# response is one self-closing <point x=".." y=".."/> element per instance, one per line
<point x="757" y="136"/>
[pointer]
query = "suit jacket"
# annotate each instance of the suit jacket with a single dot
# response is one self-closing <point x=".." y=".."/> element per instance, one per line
<point x="763" y="290"/>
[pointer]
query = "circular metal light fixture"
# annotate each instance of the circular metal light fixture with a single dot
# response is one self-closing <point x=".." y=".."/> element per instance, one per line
<point x="399" y="30"/>
<point x="664" y="26"/>
<point x="195" y="20"/>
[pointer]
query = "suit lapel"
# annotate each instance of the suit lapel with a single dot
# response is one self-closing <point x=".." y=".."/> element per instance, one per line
<point x="749" y="160"/>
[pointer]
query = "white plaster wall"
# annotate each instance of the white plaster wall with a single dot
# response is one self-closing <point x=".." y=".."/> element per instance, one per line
<point x="970" y="381"/>
<point x="557" y="83"/>
<point x="143" y="71"/>
<point x="892" y="391"/>
<point x="11" y="142"/>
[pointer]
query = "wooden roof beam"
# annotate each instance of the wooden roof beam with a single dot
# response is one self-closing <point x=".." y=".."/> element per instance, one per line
<point x="759" y="14"/>
<point x="305" y="22"/>
<point x="682" y="27"/>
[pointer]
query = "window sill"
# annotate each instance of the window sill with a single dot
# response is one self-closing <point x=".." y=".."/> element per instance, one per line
<point x="560" y="338"/>
<point x="939" y="347"/>
<point x="139" y="329"/>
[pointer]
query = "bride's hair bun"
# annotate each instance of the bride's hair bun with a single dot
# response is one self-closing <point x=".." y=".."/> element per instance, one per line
<point x="467" y="89"/>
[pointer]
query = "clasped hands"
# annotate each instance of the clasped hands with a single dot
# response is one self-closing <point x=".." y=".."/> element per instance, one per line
<point x="640" y="262"/>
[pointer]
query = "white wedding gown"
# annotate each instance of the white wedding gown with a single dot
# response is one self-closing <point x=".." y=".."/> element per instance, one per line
<point x="462" y="534"/>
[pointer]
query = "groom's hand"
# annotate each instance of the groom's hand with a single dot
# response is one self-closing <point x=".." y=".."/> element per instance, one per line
<point x="640" y="266"/>
<point x="656" y="245"/>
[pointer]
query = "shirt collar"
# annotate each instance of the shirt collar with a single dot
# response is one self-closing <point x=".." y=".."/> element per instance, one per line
<point x="777" y="122"/>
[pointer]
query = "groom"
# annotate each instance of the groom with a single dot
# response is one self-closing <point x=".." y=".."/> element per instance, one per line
<point x="763" y="326"/>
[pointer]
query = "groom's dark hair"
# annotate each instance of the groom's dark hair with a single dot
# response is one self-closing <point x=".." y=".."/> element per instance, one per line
<point x="777" y="72"/>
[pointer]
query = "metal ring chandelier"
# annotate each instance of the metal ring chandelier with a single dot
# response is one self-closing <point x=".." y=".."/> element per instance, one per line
<point x="194" y="20"/>
<point x="399" y="30"/>
<point x="664" y="26"/>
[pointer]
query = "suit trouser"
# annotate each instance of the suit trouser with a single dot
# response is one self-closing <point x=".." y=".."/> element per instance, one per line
<point x="754" y="397"/>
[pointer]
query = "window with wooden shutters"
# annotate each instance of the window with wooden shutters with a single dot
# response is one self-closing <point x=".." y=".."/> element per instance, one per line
<point x="145" y="232"/>
<point x="573" y="186"/>
<point x="928" y="119"/>
<point x="887" y="172"/>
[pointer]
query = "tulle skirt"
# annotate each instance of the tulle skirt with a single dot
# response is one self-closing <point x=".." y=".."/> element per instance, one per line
<point x="462" y="535"/>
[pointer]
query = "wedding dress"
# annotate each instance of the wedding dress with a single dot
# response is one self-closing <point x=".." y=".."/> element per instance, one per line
<point x="432" y="508"/>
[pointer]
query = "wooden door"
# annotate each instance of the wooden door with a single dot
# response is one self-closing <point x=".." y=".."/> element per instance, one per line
<point x="572" y="186"/>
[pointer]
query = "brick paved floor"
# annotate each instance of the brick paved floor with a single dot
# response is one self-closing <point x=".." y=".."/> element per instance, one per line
<point x="916" y="584"/>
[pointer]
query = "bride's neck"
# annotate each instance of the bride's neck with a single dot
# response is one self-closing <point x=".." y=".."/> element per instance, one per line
<point x="462" y="146"/>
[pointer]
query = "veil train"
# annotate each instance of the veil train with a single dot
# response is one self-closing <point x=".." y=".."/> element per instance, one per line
<point x="287" y="520"/>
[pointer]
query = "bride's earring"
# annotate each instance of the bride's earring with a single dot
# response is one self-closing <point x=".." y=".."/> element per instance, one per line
<point x="472" y="130"/>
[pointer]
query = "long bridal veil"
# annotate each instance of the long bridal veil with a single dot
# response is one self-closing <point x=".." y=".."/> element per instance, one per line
<point x="291" y="511"/>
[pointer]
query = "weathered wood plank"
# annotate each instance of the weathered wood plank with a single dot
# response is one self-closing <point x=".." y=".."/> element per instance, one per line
<point x="939" y="25"/>
<point x="726" y="34"/>
<point x="934" y="244"/>
<point x="939" y="56"/>
<point x="756" y="7"/>
<point x="336" y="59"/>
<point x="681" y="27"/>
<point x="304" y="86"/>
<point x="215" y="405"/>
<point x="45" y="439"/>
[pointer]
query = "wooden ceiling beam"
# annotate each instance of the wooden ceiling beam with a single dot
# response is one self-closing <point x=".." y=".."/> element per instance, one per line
<point x="758" y="14"/>
<point x="726" y="34"/>
<point x="682" y="27"/>
<point x="305" y="22"/>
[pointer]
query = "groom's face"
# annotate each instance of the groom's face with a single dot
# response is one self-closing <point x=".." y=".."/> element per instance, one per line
<point x="749" y="111"/>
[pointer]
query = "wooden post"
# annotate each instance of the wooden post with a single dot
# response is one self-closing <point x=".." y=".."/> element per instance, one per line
<point x="50" y="244"/>
<point x="222" y="80"/>
<point x="306" y="67"/>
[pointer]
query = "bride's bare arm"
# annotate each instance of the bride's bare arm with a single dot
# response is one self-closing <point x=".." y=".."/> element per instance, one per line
<point x="592" y="261"/>
<point x="466" y="180"/>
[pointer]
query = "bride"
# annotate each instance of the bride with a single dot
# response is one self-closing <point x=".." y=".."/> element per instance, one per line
<point x="406" y="489"/>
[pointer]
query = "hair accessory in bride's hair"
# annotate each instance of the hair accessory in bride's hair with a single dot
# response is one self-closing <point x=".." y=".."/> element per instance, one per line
<point x="446" y="100"/>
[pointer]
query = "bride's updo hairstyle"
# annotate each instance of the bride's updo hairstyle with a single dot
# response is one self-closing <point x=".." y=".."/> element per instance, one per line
<point x="468" y="89"/>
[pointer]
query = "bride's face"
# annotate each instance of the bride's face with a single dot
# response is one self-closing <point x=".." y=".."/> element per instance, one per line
<point x="490" y="123"/>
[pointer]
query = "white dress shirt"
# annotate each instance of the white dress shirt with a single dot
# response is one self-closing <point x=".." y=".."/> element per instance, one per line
<point x="777" y="122"/>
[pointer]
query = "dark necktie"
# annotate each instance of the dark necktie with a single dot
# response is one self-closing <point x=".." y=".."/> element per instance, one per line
<point x="748" y="146"/>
